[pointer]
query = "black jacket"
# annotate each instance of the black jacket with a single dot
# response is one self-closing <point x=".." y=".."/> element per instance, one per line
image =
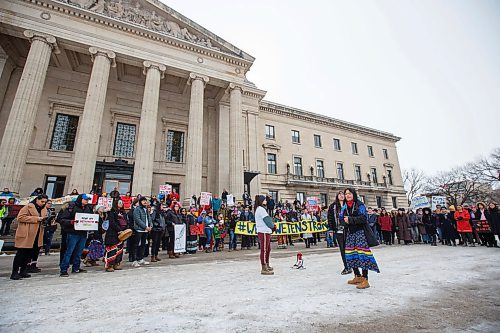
<point x="332" y="217"/>
<point x="158" y="221"/>
<point x="171" y="219"/>
<point x="67" y="216"/>
<point x="114" y="228"/>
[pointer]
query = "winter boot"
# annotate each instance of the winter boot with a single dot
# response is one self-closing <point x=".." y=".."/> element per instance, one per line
<point x="356" y="280"/>
<point x="269" y="268"/>
<point x="110" y="269"/>
<point x="265" y="271"/>
<point x="15" y="276"/>
<point x="157" y="259"/>
<point x="364" y="283"/>
<point x="24" y="274"/>
<point x="153" y="259"/>
<point x="171" y="255"/>
<point x="117" y="267"/>
<point x="176" y="255"/>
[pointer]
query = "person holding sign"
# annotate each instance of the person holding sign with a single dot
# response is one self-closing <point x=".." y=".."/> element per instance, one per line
<point x="75" y="238"/>
<point x="265" y="227"/>
<point x="29" y="235"/>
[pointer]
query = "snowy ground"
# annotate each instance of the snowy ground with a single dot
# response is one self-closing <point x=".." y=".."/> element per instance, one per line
<point x="420" y="288"/>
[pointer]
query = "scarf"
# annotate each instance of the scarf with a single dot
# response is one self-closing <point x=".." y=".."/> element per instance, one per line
<point x="350" y="203"/>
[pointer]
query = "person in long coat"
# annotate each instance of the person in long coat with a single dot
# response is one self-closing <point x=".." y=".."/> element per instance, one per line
<point x="404" y="227"/>
<point x="464" y="227"/>
<point x="29" y="235"/>
<point x="449" y="226"/>
<point x="430" y="225"/>
<point x="493" y="216"/>
<point x="421" y="227"/>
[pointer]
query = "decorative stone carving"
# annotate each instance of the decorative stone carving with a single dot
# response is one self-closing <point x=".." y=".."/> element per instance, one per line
<point x="125" y="10"/>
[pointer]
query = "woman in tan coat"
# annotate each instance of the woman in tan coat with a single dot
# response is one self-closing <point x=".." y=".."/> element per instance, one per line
<point x="29" y="235"/>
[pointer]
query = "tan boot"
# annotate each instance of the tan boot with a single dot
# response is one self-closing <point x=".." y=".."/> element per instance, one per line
<point x="153" y="259"/>
<point x="171" y="255"/>
<point x="269" y="268"/>
<point x="117" y="267"/>
<point x="265" y="271"/>
<point x="109" y="269"/>
<point x="157" y="259"/>
<point x="356" y="280"/>
<point x="364" y="284"/>
<point x="177" y="255"/>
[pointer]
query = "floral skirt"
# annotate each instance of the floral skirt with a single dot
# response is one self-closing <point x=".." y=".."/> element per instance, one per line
<point x="358" y="253"/>
<point x="96" y="250"/>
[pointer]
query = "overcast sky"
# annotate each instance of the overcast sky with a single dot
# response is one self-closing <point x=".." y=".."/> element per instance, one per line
<point x="427" y="71"/>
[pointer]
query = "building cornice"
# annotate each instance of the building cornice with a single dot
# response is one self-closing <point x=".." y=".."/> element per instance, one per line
<point x="290" y="112"/>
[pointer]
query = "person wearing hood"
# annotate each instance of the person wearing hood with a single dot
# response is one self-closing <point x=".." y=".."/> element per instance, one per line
<point x="493" y="215"/>
<point x="142" y="226"/>
<point x="29" y="235"/>
<point x="75" y="241"/>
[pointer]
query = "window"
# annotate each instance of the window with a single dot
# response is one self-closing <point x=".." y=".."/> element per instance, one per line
<point x="295" y="136"/>
<point x="271" y="163"/>
<point x="323" y="197"/>
<point x="274" y="195"/>
<point x="340" y="171"/>
<point x="320" y="169"/>
<point x="362" y="198"/>
<point x="374" y="175"/>
<point x="354" y="147"/>
<point x="357" y="172"/>
<point x="370" y="151"/>
<point x="379" y="202"/>
<point x="394" y="202"/>
<point x="301" y="196"/>
<point x="175" y="146"/>
<point x="336" y="144"/>
<point x="269" y="132"/>
<point x="121" y="181"/>
<point x="389" y="176"/>
<point x="386" y="154"/>
<point x="317" y="141"/>
<point x="54" y="186"/>
<point x="297" y="166"/>
<point x="63" y="137"/>
<point x="124" y="140"/>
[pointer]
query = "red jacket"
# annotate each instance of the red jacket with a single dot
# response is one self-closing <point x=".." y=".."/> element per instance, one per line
<point x="385" y="223"/>
<point x="463" y="218"/>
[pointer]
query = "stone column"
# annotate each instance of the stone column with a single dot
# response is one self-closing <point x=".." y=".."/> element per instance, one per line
<point x="145" y="153"/>
<point x="236" y="185"/>
<point x="89" y="126"/>
<point x="195" y="136"/>
<point x="17" y="136"/>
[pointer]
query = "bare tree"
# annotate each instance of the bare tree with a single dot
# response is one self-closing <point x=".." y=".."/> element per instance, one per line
<point x="488" y="168"/>
<point x="414" y="182"/>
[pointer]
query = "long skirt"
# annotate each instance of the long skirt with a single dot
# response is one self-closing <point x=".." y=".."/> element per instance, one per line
<point x="191" y="243"/>
<point x="114" y="254"/>
<point x="358" y="253"/>
<point x="96" y="250"/>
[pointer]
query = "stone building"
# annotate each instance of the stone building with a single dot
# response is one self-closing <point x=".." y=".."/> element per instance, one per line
<point x="131" y="94"/>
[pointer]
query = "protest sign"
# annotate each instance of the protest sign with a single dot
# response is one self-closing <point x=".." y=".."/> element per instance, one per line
<point x="312" y="204"/>
<point x="205" y="198"/>
<point x="166" y="189"/>
<point x="283" y="228"/>
<point x="230" y="200"/>
<point x="180" y="238"/>
<point x="106" y="202"/>
<point x="198" y="229"/>
<point x="127" y="202"/>
<point x="419" y="202"/>
<point x="438" y="201"/>
<point x="86" y="221"/>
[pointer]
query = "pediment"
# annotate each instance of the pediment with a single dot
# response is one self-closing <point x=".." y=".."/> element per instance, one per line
<point x="271" y="146"/>
<point x="158" y="17"/>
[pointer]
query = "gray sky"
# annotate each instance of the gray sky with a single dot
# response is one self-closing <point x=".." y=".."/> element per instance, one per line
<point x="427" y="70"/>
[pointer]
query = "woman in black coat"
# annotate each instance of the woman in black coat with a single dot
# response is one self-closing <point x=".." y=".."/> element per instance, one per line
<point x="172" y="217"/>
<point x="430" y="225"/>
<point x="493" y="215"/>
<point x="118" y="222"/>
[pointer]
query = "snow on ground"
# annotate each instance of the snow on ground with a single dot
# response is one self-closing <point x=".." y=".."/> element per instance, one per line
<point x="231" y="295"/>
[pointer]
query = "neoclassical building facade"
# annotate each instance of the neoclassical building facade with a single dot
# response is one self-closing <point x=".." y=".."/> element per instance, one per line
<point x="98" y="94"/>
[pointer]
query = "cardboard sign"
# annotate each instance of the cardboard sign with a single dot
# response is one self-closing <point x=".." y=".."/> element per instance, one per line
<point x="230" y="200"/>
<point x="420" y="202"/>
<point x="205" y="198"/>
<point x="483" y="227"/>
<point x="180" y="238"/>
<point x="165" y="189"/>
<point x="86" y="221"/>
<point x="106" y="202"/>
<point x="438" y="201"/>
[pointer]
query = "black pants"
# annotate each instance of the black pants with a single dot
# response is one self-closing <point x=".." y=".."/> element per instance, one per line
<point x="21" y="260"/>
<point x="64" y="246"/>
<point x="140" y="245"/>
<point x="308" y="242"/>
<point x="6" y="222"/>
<point x="156" y="236"/>
<point x="393" y="237"/>
<point x="365" y="272"/>
<point x="387" y="237"/>
<point x="35" y="252"/>
<point x="131" y="248"/>
<point x="317" y="237"/>
<point x="170" y="233"/>
<point x="341" y="240"/>
<point x="245" y="241"/>
<point x="164" y="241"/>
<point x="467" y="237"/>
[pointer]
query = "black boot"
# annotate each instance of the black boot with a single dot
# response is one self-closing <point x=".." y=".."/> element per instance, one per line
<point x="15" y="276"/>
<point x="33" y="269"/>
<point x="24" y="274"/>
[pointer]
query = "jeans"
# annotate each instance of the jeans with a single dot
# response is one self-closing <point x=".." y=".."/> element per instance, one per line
<point x="73" y="253"/>
<point x="208" y="234"/>
<point x="375" y="231"/>
<point x="415" y="234"/>
<point x="329" y="238"/>
<point x="47" y="240"/>
<point x="233" y="238"/>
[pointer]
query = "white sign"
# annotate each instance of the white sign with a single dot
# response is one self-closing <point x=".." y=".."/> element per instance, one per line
<point x="419" y="202"/>
<point x="205" y="198"/>
<point x="106" y="202"/>
<point x="230" y="200"/>
<point x="166" y="189"/>
<point x="86" y="221"/>
<point x="180" y="238"/>
<point x="438" y="201"/>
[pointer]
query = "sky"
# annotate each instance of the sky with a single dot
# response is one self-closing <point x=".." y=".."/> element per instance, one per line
<point x="427" y="71"/>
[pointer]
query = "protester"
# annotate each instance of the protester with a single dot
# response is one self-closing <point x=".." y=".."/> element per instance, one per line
<point x="464" y="227"/>
<point x="265" y="227"/>
<point x="246" y="215"/>
<point x="6" y="193"/>
<point x="94" y="241"/>
<point x="385" y="222"/>
<point x="29" y="235"/>
<point x="484" y="228"/>
<point x="372" y="221"/>
<point x="216" y="203"/>
<point x="37" y="192"/>
<point x="233" y="237"/>
<point x="412" y="218"/>
<point x="430" y="225"/>
<point x="157" y="231"/>
<point x="308" y="237"/>
<point x="421" y="227"/>
<point x="403" y="227"/>
<point x="142" y="226"/>
<point x="338" y="227"/>
<point x="172" y="217"/>
<point x="50" y="227"/>
<point x="209" y="222"/>
<point x="449" y="226"/>
<point x="189" y="221"/>
<point x="118" y="222"/>
<point x="357" y="251"/>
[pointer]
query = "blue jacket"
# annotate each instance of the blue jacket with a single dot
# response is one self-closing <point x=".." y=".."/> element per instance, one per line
<point x="216" y="203"/>
<point x="140" y="217"/>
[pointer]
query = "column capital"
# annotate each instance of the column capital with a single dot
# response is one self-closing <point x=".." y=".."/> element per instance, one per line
<point x="232" y="86"/>
<point x="46" y="38"/>
<point x="110" y="55"/>
<point x="153" y="65"/>
<point x="195" y="76"/>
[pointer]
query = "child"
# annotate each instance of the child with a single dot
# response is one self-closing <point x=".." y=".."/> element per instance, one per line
<point x="217" y="236"/>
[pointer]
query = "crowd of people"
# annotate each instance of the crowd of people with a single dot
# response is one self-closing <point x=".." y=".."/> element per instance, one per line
<point x="147" y="227"/>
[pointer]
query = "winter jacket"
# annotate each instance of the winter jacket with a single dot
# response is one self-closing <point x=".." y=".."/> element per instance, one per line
<point x="371" y="219"/>
<point x="209" y="222"/>
<point x="493" y="216"/>
<point x="216" y="202"/>
<point x="403" y="224"/>
<point x="232" y="223"/>
<point x="171" y="219"/>
<point x="412" y="217"/>
<point x="142" y="219"/>
<point x="333" y="219"/>
<point x="29" y="226"/>
<point x="270" y="204"/>
<point x="357" y="216"/>
<point x="111" y="237"/>
<point x="158" y="221"/>
<point x="385" y="223"/>
<point x="463" y="221"/>
<point x="430" y="224"/>
<point x="67" y="216"/>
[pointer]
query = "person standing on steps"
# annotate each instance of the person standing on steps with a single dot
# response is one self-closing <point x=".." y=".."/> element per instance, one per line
<point x="265" y="227"/>
<point x="338" y="227"/>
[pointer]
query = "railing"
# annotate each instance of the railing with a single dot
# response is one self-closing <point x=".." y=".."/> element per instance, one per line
<point x="325" y="180"/>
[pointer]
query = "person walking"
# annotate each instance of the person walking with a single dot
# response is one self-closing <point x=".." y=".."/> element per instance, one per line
<point x="265" y="227"/>
<point x="29" y="235"/>
<point x="357" y="250"/>
<point x="338" y="227"/>
<point x="118" y="222"/>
